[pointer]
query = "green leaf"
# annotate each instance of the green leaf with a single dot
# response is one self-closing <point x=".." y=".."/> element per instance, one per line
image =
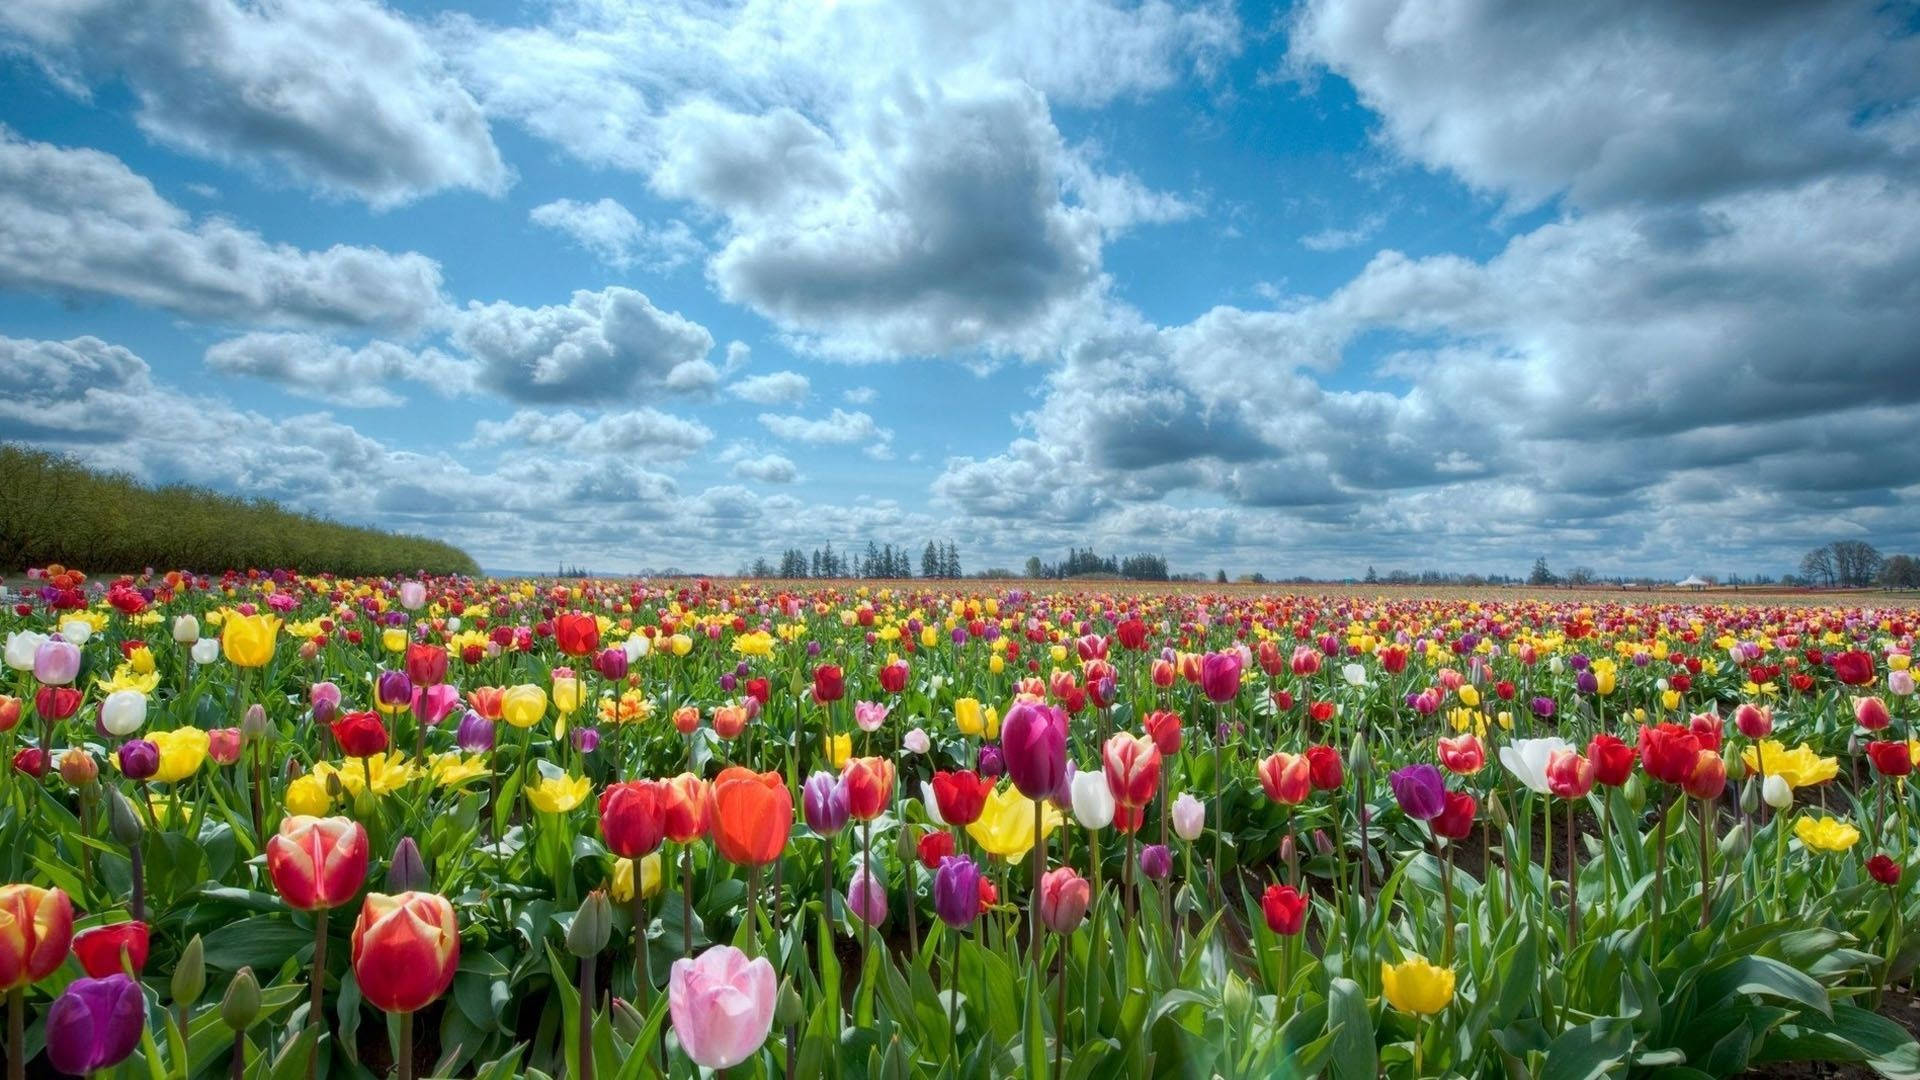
<point x="1589" y="1051"/>
<point x="1352" y="1054"/>
<point x="1763" y="976"/>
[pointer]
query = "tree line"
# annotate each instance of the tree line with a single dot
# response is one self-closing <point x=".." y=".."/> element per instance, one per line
<point x="55" y="510"/>
<point x="937" y="560"/>
<point x="1085" y="563"/>
<point x="1856" y="563"/>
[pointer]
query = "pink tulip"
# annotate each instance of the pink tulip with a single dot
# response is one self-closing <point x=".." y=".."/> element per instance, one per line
<point x="722" y="1005"/>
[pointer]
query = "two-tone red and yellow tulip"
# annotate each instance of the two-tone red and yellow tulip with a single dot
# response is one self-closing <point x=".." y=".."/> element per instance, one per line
<point x="36" y="929"/>
<point x="1286" y="778"/>
<point x="405" y="950"/>
<point x="318" y="863"/>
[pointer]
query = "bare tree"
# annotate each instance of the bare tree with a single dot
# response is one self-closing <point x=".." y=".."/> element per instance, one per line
<point x="1817" y="566"/>
<point x="1855" y="562"/>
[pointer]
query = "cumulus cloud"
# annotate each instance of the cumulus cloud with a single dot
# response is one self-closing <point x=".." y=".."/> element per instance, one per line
<point x="611" y="233"/>
<point x="644" y="432"/>
<point x="775" y="388"/>
<point x="609" y="344"/>
<point x="839" y="427"/>
<point x="312" y="366"/>
<point x="79" y="222"/>
<point x="342" y="94"/>
<point x="767" y="468"/>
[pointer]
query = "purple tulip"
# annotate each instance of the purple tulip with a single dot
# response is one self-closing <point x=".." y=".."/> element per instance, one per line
<point x="1156" y="861"/>
<point x="825" y="803"/>
<point x="956" y="891"/>
<point x="1220" y="676"/>
<point x="1062" y="796"/>
<point x="139" y="759"/>
<point x="95" y="1023"/>
<point x="1033" y="738"/>
<point x="586" y="739"/>
<point x="992" y="764"/>
<point x="611" y="664"/>
<point x="1542" y="707"/>
<point x="394" y="690"/>
<point x="326" y="702"/>
<point x="1420" y="790"/>
<point x="475" y="734"/>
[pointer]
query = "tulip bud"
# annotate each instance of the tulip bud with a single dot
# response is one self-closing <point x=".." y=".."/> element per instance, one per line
<point x="190" y="974"/>
<point x="1749" y="796"/>
<point x="788" y="1009"/>
<point x="253" y="726"/>
<point x="78" y="768"/>
<point x="121" y="817"/>
<point x="1636" y="792"/>
<point x="241" y="1006"/>
<point x="1359" y="761"/>
<point x="407" y="872"/>
<point x="1496" y="811"/>
<point x="627" y="1021"/>
<point x="906" y="842"/>
<point x="1734" y="845"/>
<point x="1238" y="998"/>
<point x="592" y="925"/>
<point x="1777" y="792"/>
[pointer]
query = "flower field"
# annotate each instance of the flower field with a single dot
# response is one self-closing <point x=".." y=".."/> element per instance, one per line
<point x="272" y="825"/>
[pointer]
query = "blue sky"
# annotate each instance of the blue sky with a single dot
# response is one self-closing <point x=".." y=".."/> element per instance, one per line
<point x="1296" y="288"/>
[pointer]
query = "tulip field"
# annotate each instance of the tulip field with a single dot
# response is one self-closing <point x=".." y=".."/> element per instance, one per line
<point x="275" y="825"/>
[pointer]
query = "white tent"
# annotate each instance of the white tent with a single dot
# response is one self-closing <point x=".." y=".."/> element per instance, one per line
<point x="1691" y="581"/>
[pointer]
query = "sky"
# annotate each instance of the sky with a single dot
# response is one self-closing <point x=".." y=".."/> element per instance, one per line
<point x="1296" y="289"/>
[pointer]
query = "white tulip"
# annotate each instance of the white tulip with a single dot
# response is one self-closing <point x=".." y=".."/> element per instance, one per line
<point x="1189" y="817"/>
<point x="21" y="646"/>
<point x="637" y="647"/>
<point x="931" y="803"/>
<point x="186" y="629"/>
<point x="76" y="631"/>
<point x="123" y="712"/>
<point x="206" y="650"/>
<point x="1092" y="799"/>
<point x="916" y="741"/>
<point x="1777" y="792"/>
<point x="453" y="624"/>
<point x="1354" y="674"/>
<point x="1526" y="759"/>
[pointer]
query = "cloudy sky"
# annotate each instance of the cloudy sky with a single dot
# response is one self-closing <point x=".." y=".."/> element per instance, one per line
<point x="1299" y="289"/>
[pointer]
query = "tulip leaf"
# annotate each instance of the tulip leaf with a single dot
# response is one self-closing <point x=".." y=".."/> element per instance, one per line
<point x="1352" y="1053"/>
<point x="262" y="942"/>
<point x="1034" y="1036"/>
<point x="1589" y="1050"/>
<point x="1764" y="976"/>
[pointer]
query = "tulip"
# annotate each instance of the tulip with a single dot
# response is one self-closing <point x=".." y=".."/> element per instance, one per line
<point x="1827" y="835"/>
<point x="1220" y="676"/>
<point x="1871" y="713"/>
<point x="956" y="891"/>
<point x="1132" y="767"/>
<point x="360" y="734"/>
<point x="1776" y="792"/>
<point x="56" y="662"/>
<point x="1463" y="754"/>
<point x="138" y="759"/>
<point x="1612" y="759"/>
<point x="684" y="808"/>
<point x="1569" y="775"/>
<point x="869" y="716"/>
<point x="1416" y="986"/>
<point x="22" y="646"/>
<point x="722" y="1005"/>
<point x="631" y="817"/>
<point x="1420" y="790"/>
<point x="1285" y="909"/>
<point x="1189" y="817"/>
<point x="1324" y="768"/>
<point x="247" y="640"/>
<point x="1033" y="739"/>
<point x="36" y="927"/>
<point x="868" y="783"/>
<point x="405" y="950"/>
<point x="475" y="733"/>
<point x="612" y="664"/>
<point x="1156" y="861"/>
<point x="1527" y="760"/>
<point x="205" y="651"/>
<point x="317" y="863"/>
<point x="1164" y="729"/>
<point x="916" y="741"/>
<point x="960" y="795"/>
<point x="224" y="745"/>
<point x="829" y="684"/>
<point x="1455" y="820"/>
<point x="108" y="950"/>
<point x="1884" y="870"/>
<point x="1285" y="777"/>
<point x="559" y="793"/>
<point x="824" y="801"/>
<point x="123" y="712"/>
<point x="95" y="1023"/>
<point x="1709" y="776"/>
<point x="10" y="708"/>
<point x="751" y="816"/>
<point x="78" y="768"/>
<point x="186" y="629"/>
<point x="867" y="897"/>
<point x="1093" y="802"/>
<point x="576" y="634"/>
<point x="56" y="702"/>
<point x="1005" y="826"/>
<point x="1854" y="668"/>
<point x="1064" y="897"/>
<point x="524" y="705"/>
<point x="1890" y="758"/>
<point x="324" y="698"/>
<point x="1753" y="721"/>
<point x="413" y="595"/>
<point x="426" y="664"/>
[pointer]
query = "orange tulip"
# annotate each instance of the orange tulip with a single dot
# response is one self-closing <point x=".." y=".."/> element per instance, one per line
<point x="36" y="929"/>
<point x="1286" y="777"/>
<point x="405" y="950"/>
<point x="752" y="815"/>
<point x="869" y="785"/>
<point x="684" y="808"/>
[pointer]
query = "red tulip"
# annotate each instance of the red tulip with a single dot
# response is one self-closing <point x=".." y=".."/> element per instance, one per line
<point x="1854" y="668"/>
<point x="56" y="702"/>
<point x="935" y="845"/>
<point x="1325" y="768"/>
<point x="684" y="808"/>
<point x="1669" y="752"/>
<point x="576" y="633"/>
<point x="1164" y="728"/>
<point x="829" y="683"/>
<point x="631" y="817"/>
<point x="361" y="734"/>
<point x="36" y="928"/>
<point x="1708" y="728"/>
<point x="103" y="950"/>
<point x="1285" y="909"/>
<point x="1612" y="759"/>
<point x="960" y="795"/>
<point x="1884" y="870"/>
<point x="426" y="664"/>
<point x="752" y="815"/>
<point x="1890" y="758"/>
<point x="1753" y="721"/>
<point x="1569" y="775"/>
<point x="405" y="950"/>
<point x="869" y="785"/>
<point x="1871" y="713"/>
<point x="1709" y="776"/>
<point x="893" y="676"/>
<point x="1456" y="819"/>
<point x="317" y="862"/>
<point x="1286" y="777"/>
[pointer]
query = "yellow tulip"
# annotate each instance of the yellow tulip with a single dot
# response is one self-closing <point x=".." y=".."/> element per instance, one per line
<point x="559" y="794"/>
<point x="682" y="644"/>
<point x="566" y="694"/>
<point x="649" y="878"/>
<point x="996" y="664"/>
<point x="181" y="752"/>
<point x="451" y="769"/>
<point x="1799" y="767"/>
<point x="390" y="771"/>
<point x="141" y="660"/>
<point x="523" y="705"/>
<point x="1670" y="700"/>
<point x="1469" y="695"/>
<point x="247" y="640"/>
<point x="966" y="714"/>
<point x="1825" y="834"/>
<point x="993" y="722"/>
<point x="1416" y="986"/>
<point x="838" y="749"/>
<point x="393" y="639"/>
<point x="308" y="795"/>
<point x="1005" y="825"/>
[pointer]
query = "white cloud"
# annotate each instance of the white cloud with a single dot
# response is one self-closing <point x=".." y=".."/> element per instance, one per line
<point x="79" y="222"/>
<point x="342" y="95"/>
<point x="840" y="427"/>
<point x="607" y="345"/>
<point x="1333" y="239"/>
<point x="767" y="468"/>
<point x="644" y="432"/>
<point x="611" y="233"/>
<point x="775" y="388"/>
<point x="859" y="395"/>
<point x="312" y="366"/>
